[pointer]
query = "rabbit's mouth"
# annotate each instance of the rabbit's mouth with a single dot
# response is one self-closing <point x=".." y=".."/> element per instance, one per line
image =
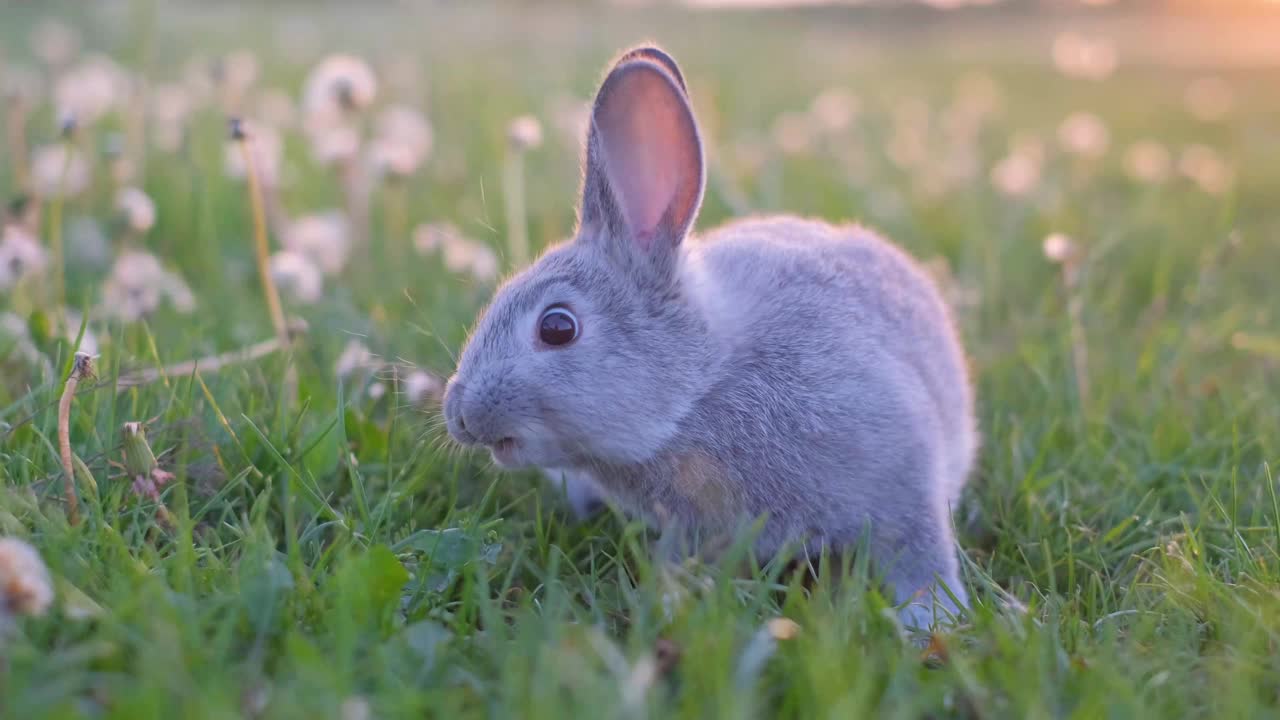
<point x="504" y="451"/>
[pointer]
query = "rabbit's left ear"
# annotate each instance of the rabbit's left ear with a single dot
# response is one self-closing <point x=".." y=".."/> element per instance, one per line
<point x="644" y="175"/>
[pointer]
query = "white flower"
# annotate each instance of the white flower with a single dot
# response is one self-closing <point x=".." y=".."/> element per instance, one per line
<point x="1207" y="169"/>
<point x="331" y="141"/>
<point x="138" y="283"/>
<point x="1084" y="134"/>
<point x="793" y="133"/>
<point x="58" y="170"/>
<point x="137" y="208"/>
<point x="340" y="83"/>
<point x="267" y="150"/>
<point x="403" y="140"/>
<point x="324" y="238"/>
<point x="1083" y="57"/>
<point x="90" y="90"/>
<point x="1018" y="174"/>
<point x="1148" y="161"/>
<point x="297" y="276"/>
<point x="834" y="109"/>
<point x="1059" y="248"/>
<point x="460" y="254"/>
<point x="25" y="586"/>
<point x="421" y="386"/>
<point x="21" y="255"/>
<point x="524" y="133"/>
<point x="355" y="356"/>
<point x="431" y="237"/>
<point x="1210" y="99"/>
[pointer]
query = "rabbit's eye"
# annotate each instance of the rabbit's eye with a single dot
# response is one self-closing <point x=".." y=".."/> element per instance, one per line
<point x="557" y="326"/>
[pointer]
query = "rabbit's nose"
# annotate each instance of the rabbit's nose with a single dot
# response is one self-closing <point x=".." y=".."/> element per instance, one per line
<point x="453" y="414"/>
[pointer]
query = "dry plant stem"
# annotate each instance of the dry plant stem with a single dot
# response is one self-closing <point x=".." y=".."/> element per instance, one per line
<point x="261" y="248"/>
<point x="1075" y="315"/>
<point x="356" y="199"/>
<point x="395" y="207"/>
<point x="81" y="368"/>
<point x="210" y="364"/>
<point x="517" y="231"/>
<point x="16" y="125"/>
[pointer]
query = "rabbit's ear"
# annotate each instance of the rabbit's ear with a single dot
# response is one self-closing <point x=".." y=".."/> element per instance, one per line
<point x="644" y="174"/>
<point x="658" y="56"/>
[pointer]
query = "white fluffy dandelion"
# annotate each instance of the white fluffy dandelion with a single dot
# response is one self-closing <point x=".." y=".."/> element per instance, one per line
<point x="59" y="170"/>
<point x="137" y="208"/>
<point x="323" y="238"/>
<point x="297" y="276"/>
<point x="25" y="585"/>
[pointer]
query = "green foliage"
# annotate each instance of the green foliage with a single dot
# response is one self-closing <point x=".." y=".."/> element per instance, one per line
<point x="1123" y="551"/>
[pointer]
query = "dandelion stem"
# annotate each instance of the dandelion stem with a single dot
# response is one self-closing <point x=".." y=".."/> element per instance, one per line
<point x="261" y="248"/>
<point x="394" y="207"/>
<point x="16" y="123"/>
<point x="517" y="230"/>
<point x="80" y="369"/>
<point x="211" y="364"/>
<point x="1075" y="316"/>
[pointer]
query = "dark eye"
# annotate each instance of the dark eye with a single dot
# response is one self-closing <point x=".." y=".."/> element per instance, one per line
<point x="557" y="326"/>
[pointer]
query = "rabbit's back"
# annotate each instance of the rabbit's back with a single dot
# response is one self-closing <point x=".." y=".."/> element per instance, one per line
<point x="839" y="325"/>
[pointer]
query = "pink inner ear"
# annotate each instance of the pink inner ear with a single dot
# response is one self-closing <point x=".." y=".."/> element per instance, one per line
<point x="650" y="149"/>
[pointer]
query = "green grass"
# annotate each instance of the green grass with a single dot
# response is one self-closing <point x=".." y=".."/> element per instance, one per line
<point x="335" y="547"/>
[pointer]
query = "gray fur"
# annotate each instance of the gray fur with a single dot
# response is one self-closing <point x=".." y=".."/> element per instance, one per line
<point x="774" y="367"/>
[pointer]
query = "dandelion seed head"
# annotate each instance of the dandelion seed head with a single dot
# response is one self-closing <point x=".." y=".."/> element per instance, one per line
<point x="524" y="133"/>
<point x="1058" y="248"/>
<point x="1206" y="167"/>
<point x="403" y="141"/>
<point x="21" y="255"/>
<point x="834" y="109"/>
<point x="421" y="387"/>
<point x="267" y="148"/>
<point x="138" y="209"/>
<point x="1018" y="173"/>
<point x="138" y="284"/>
<point x="793" y="133"/>
<point x="59" y="170"/>
<point x="339" y="84"/>
<point x="323" y="238"/>
<point x="432" y="237"/>
<point x="1209" y="99"/>
<point x="91" y="89"/>
<point x="1148" y="161"/>
<point x="297" y="276"/>
<point x="1085" y="135"/>
<point x="1080" y="56"/>
<point x="355" y="356"/>
<point x="25" y="585"/>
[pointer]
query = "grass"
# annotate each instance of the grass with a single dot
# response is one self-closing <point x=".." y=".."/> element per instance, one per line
<point x="333" y="551"/>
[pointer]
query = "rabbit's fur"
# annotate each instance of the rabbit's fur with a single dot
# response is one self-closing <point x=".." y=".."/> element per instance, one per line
<point x="773" y="368"/>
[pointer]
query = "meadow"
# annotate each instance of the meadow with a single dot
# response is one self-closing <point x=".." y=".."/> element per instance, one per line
<point x="273" y="524"/>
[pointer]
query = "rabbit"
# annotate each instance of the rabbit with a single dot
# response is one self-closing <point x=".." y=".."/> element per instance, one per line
<point x="786" y="372"/>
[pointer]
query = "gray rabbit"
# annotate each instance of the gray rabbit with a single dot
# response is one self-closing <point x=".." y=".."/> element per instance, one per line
<point x="774" y="368"/>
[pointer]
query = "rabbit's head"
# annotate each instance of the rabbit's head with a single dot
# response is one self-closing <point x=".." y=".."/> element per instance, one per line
<point x="594" y="353"/>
